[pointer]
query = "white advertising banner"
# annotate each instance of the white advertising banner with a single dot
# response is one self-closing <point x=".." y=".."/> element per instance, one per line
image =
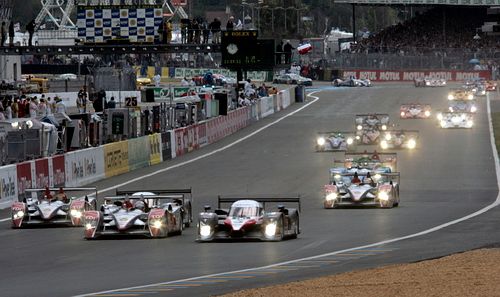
<point x="84" y="167"/>
<point x="8" y="185"/>
<point x="266" y="106"/>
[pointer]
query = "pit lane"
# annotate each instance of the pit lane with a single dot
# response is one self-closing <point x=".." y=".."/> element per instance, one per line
<point x="449" y="176"/>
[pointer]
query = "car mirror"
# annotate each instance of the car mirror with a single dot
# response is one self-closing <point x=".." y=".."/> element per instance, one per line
<point x="207" y="208"/>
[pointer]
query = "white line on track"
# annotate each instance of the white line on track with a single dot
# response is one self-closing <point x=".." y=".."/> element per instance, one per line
<point x="207" y="154"/>
<point x="425" y="232"/>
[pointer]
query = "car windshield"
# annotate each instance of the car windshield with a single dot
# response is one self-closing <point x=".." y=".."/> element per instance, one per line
<point x="244" y="212"/>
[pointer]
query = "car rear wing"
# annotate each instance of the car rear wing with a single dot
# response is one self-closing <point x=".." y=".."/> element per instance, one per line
<point x="160" y="194"/>
<point x="392" y="175"/>
<point x="336" y="132"/>
<point x="34" y="191"/>
<point x="384" y="159"/>
<point x="409" y="133"/>
<point x="383" y="118"/>
<point x="261" y="199"/>
<point x="419" y="105"/>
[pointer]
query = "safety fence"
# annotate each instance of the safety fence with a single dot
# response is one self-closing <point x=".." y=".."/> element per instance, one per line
<point x="82" y="167"/>
<point x="396" y="75"/>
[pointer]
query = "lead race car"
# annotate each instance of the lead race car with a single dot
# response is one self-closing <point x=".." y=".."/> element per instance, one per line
<point x="365" y="179"/>
<point x="336" y="141"/>
<point x="153" y="214"/>
<point x="398" y="139"/>
<point x="248" y="218"/>
<point x="415" y="111"/>
<point x="53" y="206"/>
<point x="429" y="82"/>
<point x="369" y="127"/>
<point x="455" y="120"/>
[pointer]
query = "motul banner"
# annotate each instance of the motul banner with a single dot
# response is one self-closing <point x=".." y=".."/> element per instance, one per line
<point x="57" y="174"/>
<point x="186" y="139"/>
<point x="389" y="75"/>
<point x="24" y="177"/>
<point x="42" y="173"/>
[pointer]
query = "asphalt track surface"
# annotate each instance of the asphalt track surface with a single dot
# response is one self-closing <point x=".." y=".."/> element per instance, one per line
<point x="450" y="175"/>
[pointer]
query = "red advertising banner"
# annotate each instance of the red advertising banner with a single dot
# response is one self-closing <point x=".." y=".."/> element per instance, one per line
<point x="186" y="140"/>
<point x="388" y="75"/>
<point x="57" y="172"/>
<point x="24" y="178"/>
<point x="42" y="173"/>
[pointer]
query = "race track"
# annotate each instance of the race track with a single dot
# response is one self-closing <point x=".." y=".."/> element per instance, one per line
<point x="450" y="175"/>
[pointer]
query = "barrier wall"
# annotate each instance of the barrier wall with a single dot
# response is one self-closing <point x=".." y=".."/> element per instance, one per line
<point x="82" y="167"/>
<point x="449" y="75"/>
<point x="69" y="98"/>
<point x="116" y="158"/>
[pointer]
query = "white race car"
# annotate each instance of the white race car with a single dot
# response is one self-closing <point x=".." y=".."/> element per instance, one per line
<point x="455" y="120"/>
<point x="398" y="139"/>
<point x="429" y="82"/>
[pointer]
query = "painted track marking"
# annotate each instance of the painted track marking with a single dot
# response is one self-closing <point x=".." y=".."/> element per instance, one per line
<point x="334" y="253"/>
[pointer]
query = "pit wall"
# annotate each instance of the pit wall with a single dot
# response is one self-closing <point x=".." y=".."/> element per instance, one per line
<point x="83" y="167"/>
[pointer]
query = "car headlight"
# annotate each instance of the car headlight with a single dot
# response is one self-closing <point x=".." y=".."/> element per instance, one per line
<point x="383" y="144"/>
<point x="331" y="196"/>
<point x="443" y="123"/>
<point x="470" y="97"/>
<point x="88" y="226"/>
<point x="388" y="136"/>
<point x="358" y="137"/>
<point x="412" y="143"/>
<point x="321" y="141"/>
<point x="337" y="176"/>
<point x="270" y="229"/>
<point x="470" y="123"/>
<point x="19" y="214"/>
<point x="440" y="116"/>
<point x="427" y="113"/>
<point x="427" y="83"/>
<point x="473" y="109"/>
<point x="451" y="97"/>
<point x="384" y="127"/>
<point x="377" y="176"/>
<point x="359" y="127"/>
<point x="483" y="92"/>
<point x="157" y="224"/>
<point x="450" y="109"/>
<point x="383" y="196"/>
<point x="75" y="213"/>
<point x="402" y="113"/>
<point x="205" y="230"/>
<point x="349" y="141"/>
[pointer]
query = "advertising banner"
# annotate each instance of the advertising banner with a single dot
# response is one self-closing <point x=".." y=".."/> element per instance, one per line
<point x="56" y="171"/>
<point x="115" y="158"/>
<point x="138" y="152"/>
<point x="155" y="149"/>
<point x="202" y="134"/>
<point x="426" y="2"/>
<point x="166" y="145"/>
<point x="41" y="173"/>
<point x="24" y="177"/>
<point x="223" y="126"/>
<point x="186" y="140"/>
<point x="84" y="166"/>
<point x="388" y="75"/>
<point x="266" y="106"/>
<point x="8" y="185"/>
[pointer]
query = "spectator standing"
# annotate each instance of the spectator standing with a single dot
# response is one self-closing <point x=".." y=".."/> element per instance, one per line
<point x="15" y="108"/>
<point x="287" y="48"/>
<point x="2" y="114"/>
<point x="112" y="103"/>
<point x="215" y="28"/>
<point x="190" y="32"/>
<point x="4" y="33"/>
<point x="197" y="31"/>
<point x="30" y="27"/>
<point x="169" y="28"/>
<point x="230" y="24"/>
<point x="33" y="107"/>
<point x="279" y="52"/>
<point x="192" y="83"/>
<point x="42" y="107"/>
<point x="81" y="101"/>
<point x="8" y="110"/>
<point x="184" y="31"/>
<point x="184" y="82"/>
<point x="161" y="31"/>
<point x="51" y="106"/>
<point x="11" y="34"/>
<point x="60" y="106"/>
<point x="206" y="32"/>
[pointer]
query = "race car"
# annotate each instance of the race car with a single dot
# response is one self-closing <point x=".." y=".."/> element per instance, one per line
<point x="477" y="90"/>
<point x="397" y="139"/>
<point x="152" y="214"/>
<point x="53" y="206"/>
<point x="415" y="111"/>
<point x="429" y="82"/>
<point x="221" y="80"/>
<point x="366" y="179"/>
<point x="462" y="106"/>
<point x="460" y="94"/>
<point x="369" y="127"/>
<point x="487" y="85"/>
<point x="336" y="141"/>
<point x="292" y="78"/>
<point x="455" y="120"/>
<point x="247" y="218"/>
<point x="351" y="82"/>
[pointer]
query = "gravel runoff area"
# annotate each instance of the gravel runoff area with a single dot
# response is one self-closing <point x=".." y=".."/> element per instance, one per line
<point x="472" y="273"/>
